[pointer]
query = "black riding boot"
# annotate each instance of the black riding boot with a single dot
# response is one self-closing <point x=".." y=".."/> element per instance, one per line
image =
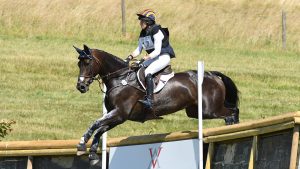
<point x="148" y="102"/>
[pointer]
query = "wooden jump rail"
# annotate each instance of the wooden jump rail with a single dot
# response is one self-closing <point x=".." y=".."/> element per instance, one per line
<point x="254" y="129"/>
<point x="246" y="129"/>
<point x="68" y="147"/>
<point x="250" y="129"/>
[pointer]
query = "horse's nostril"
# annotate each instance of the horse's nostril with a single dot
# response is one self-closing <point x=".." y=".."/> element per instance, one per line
<point x="82" y="87"/>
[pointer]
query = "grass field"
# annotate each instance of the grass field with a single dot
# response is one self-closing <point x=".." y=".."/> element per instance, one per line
<point x="38" y="68"/>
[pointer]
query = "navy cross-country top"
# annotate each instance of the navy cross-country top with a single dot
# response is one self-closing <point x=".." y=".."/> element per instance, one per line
<point x="155" y="41"/>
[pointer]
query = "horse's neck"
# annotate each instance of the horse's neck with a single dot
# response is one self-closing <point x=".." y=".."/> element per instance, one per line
<point x="109" y="64"/>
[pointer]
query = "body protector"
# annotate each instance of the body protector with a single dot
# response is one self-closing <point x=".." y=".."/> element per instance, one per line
<point x="147" y="40"/>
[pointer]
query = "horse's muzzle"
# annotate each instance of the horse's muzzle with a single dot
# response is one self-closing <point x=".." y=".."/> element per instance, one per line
<point x="82" y="87"/>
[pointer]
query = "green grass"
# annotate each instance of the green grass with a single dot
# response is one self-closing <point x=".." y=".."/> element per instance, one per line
<point x="38" y="68"/>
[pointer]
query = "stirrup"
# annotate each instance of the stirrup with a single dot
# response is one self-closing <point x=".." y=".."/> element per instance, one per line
<point x="148" y="104"/>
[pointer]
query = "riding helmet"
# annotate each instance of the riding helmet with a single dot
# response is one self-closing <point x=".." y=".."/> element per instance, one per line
<point x="147" y="15"/>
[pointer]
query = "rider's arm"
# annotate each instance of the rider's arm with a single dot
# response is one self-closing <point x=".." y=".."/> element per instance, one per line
<point x="138" y="50"/>
<point x="158" y="37"/>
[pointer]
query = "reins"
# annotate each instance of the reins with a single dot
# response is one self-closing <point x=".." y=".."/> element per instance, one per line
<point x="109" y="75"/>
<point x="100" y="81"/>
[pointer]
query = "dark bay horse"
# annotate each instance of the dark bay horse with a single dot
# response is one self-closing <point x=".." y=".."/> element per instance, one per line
<point x="220" y="95"/>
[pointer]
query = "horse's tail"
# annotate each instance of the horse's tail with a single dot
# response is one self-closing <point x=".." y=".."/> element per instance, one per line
<point x="232" y="92"/>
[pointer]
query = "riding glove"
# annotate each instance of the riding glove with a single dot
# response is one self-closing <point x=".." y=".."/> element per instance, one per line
<point x="128" y="59"/>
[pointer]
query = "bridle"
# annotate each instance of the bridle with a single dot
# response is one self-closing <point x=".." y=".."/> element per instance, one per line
<point x="109" y="76"/>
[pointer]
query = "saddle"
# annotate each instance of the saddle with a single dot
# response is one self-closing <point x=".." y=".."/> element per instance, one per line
<point x="160" y="78"/>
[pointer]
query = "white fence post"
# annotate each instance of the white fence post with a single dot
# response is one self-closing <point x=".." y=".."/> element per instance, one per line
<point x="200" y="135"/>
<point x="104" y="136"/>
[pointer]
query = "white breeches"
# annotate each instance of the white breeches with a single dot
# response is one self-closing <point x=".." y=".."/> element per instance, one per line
<point x="156" y="64"/>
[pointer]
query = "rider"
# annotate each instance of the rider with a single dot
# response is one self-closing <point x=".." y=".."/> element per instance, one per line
<point x="155" y="41"/>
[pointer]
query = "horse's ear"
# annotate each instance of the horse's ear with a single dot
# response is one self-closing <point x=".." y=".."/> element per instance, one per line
<point x="86" y="49"/>
<point x="78" y="50"/>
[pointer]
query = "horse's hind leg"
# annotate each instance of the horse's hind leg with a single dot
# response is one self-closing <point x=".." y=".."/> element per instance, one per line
<point x="234" y="117"/>
<point x="192" y="111"/>
<point x="236" y="113"/>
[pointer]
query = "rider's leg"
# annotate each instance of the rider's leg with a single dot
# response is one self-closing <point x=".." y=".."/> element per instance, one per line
<point x="155" y="65"/>
<point x="148" y="102"/>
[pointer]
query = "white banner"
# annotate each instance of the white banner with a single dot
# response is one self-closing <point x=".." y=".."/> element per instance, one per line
<point x="167" y="155"/>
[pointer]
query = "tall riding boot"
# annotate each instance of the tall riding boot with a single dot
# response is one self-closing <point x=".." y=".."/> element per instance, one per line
<point x="148" y="102"/>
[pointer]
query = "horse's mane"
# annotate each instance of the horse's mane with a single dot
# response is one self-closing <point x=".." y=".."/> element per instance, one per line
<point x="117" y="59"/>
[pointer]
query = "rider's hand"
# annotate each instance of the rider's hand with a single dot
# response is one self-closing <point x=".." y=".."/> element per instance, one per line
<point x="129" y="58"/>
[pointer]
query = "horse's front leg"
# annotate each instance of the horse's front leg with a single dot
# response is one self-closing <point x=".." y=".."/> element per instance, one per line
<point x="81" y="147"/>
<point x="109" y="121"/>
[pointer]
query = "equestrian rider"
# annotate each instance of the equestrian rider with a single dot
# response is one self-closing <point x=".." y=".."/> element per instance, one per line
<point x="155" y="41"/>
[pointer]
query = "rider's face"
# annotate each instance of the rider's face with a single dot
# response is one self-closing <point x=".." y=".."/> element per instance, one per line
<point x="143" y="24"/>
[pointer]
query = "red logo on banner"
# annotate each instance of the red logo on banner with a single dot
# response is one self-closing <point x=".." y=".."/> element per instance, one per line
<point x="154" y="156"/>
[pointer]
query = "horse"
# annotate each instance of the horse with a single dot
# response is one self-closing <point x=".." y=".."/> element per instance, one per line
<point x="220" y="95"/>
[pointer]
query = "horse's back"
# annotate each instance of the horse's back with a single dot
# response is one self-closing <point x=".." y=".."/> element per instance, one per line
<point x="187" y="79"/>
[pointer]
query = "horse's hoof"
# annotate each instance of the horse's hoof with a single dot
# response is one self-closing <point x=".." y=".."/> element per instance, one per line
<point x="229" y="120"/>
<point x="80" y="153"/>
<point x="81" y="149"/>
<point x="94" y="158"/>
<point x="236" y="122"/>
